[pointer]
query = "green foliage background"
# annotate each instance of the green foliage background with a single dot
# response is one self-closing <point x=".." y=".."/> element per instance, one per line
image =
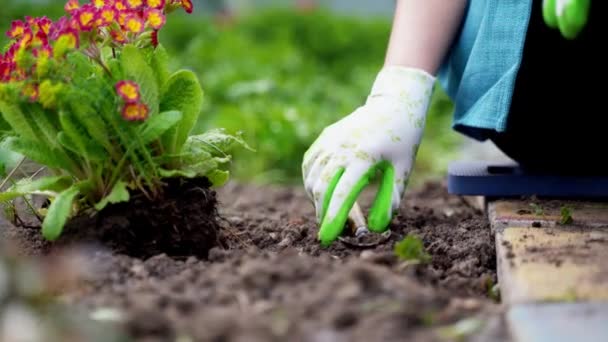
<point x="280" y="77"/>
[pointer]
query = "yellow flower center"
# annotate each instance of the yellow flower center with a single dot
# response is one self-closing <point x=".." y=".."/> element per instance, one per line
<point x="86" y="18"/>
<point x="155" y="19"/>
<point x="18" y="31"/>
<point x="129" y="91"/>
<point x="108" y="16"/>
<point x="134" y="25"/>
<point x="154" y="3"/>
<point x="135" y="3"/>
<point x="132" y="111"/>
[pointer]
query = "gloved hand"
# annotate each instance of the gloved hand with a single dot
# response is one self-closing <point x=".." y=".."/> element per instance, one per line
<point x="382" y="135"/>
<point x="569" y="16"/>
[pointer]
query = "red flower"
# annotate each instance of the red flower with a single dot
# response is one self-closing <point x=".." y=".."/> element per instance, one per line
<point x="86" y="17"/>
<point x="98" y="3"/>
<point x="155" y="18"/>
<point x="57" y="27"/>
<point x="122" y="17"/>
<point x="40" y="39"/>
<point x="128" y="91"/>
<point x="71" y="6"/>
<point x="120" y="5"/>
<point x="134" y="4"/>
<point x="107" y="16"/>
<point x="157" y="4"/>
<point x="118" y="36"/>
<point x="17" y="30"/>
<point x="44" y="24"/>
<point x="72" y="37"/>
<point x="135" y="112"/>
<point x="134" y="24"/>
<point x="26" y="39"/>
<point x="187" y="5"/>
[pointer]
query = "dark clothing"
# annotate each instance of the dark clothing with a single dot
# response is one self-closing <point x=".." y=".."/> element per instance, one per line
<point x="557" y="121"/>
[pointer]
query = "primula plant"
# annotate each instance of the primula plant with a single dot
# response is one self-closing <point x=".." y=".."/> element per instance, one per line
<point x="91" y="98"/>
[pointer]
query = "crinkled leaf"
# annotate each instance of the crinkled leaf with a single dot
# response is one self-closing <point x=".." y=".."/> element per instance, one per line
<point x="216" y="141"/>
<point x="119" y="193"/>
<point x="48" y="186"/>
<point x="158" y="124"/>
<point x="58" y="213"/>
<point x="137" y="69"/>
<point x="181" y="92"/>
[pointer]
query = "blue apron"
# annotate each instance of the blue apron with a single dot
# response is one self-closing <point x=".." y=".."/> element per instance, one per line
<point x="480" y="70"/>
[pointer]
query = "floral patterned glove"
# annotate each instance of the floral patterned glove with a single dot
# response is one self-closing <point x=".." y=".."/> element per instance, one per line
<point x="382" y="135"/>
<point x="569" y="16"/>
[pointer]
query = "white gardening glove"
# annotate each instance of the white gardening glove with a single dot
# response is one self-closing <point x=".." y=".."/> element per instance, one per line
<point x="382" y="135"/>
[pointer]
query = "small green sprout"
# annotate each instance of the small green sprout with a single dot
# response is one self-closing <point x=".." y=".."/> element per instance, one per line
<point x="411" y="248"/>
<point x="566" y="215"/>
<point x="537" y="209"/>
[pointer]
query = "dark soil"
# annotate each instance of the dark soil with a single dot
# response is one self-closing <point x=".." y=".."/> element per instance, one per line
<point x="180" y="222"/>
<point x="272" y="281"/>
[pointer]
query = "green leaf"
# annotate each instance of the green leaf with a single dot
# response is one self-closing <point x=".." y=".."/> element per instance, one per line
<point x="216" y="142"/>
<point x="44" y="122"/>
<point x="411" y="248"/>
<point x="48" y="186"/>
<point x="40" y="153"/>
<point x="218" y="177"/>
<point x="158" y="124"/>
<point x="58" y="213"/>
<point x="177" y="173"/>
<point x="89" y="118"/>
<point x="119" y="193"/>
<point x="182" y="92"/>
<point x="18" y="121"/>
<point x="137" y="69"/>
<point x="85" y="146"/>
<point x="160" y="65"/>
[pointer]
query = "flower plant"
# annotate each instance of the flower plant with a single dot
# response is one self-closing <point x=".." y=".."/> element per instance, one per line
<point x="91" y="98"/>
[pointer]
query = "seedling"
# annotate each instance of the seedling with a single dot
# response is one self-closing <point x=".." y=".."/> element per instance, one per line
<point x="565" y="215"/>
<point x="411" y="248"/>
<point x="91" y="98"/>
<point x="537" y="209"/>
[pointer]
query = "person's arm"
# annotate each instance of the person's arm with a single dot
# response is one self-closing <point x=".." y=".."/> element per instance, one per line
<point x="383" y="134"/>
<point x="423" y="32"/>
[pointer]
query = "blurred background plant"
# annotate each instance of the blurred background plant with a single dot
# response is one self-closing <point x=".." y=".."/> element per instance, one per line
<point x="280" y="71"/>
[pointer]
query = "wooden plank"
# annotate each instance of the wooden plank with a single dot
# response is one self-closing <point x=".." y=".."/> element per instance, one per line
<point x="552" y="264"/>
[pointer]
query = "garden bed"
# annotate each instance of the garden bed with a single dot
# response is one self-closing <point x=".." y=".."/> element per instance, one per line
<point x="269" y="279"/>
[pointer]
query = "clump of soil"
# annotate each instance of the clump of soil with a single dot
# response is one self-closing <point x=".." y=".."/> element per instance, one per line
<point x="182" y="222"/>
